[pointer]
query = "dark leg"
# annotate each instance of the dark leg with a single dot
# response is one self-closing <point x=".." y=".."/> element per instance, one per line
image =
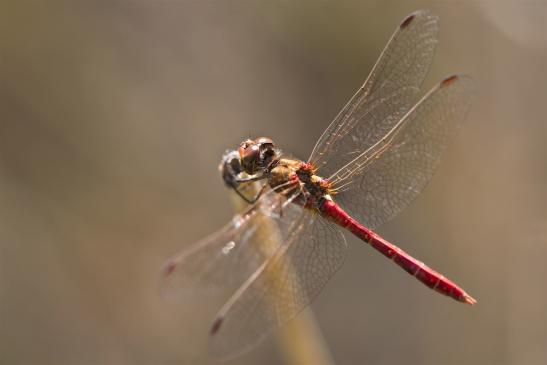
<point x="252" y="200"/>
<point x="249" y="179"/>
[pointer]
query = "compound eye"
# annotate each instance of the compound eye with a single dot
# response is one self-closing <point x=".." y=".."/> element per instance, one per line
<point x="251" y="153"/>
<point x="246" y="143"/>
<point x="249" y="158"/>
<point x="244" y="146"/>
<point x="264" y="141"/>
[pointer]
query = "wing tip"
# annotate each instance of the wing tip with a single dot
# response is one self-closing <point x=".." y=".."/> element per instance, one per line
<point x="168" y="269"/>
<point x="215" y="327"/>
<point x="166" y="276"/>
<point x="424" y="13"/>
<point x="452" y="79"/>
<point x="449" y="80"/>
<point x="407" y="21"/>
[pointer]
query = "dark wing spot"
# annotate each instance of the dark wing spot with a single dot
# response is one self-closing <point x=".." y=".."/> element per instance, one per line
<point x="449" y="80"/>
<point x="169" y="268"/>
<point x="216" y="326"/>
<point x="407" y="21"/>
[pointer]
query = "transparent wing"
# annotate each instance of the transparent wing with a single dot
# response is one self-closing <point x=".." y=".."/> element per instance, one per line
<point x="225" y="259"/>
<point x="390" y="90"/>
<point x="381" y="182"/>
<point x="280" y="288"/>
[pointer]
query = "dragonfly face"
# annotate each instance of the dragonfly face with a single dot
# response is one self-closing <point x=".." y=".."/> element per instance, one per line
<point x="256" y="155"/>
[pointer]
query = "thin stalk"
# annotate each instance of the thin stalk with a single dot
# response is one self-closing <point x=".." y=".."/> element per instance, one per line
<point x="300" y="341"/>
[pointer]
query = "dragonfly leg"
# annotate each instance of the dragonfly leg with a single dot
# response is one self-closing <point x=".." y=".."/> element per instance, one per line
<point x="280" y="206"/>
<point x="255" y="198"/>
<point x="240" y="180"/>
<point x="247" y="200"/>
<point x="234" y="183"/>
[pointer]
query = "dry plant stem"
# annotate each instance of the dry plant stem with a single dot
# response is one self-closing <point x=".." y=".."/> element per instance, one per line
<point x="300" y="341"/>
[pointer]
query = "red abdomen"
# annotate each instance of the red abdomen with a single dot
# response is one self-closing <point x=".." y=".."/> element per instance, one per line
<point x="416" y="268"/>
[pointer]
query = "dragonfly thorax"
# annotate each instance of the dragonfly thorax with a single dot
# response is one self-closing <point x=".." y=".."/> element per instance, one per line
<point x="261" y="158"/>
<point x="293" y="176"/>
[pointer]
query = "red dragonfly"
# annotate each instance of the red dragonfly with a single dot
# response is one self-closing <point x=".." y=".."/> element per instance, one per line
<point x="370" y="163"/>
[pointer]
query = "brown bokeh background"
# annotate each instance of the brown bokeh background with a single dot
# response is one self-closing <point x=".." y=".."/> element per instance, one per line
<point x="113" y="117"/>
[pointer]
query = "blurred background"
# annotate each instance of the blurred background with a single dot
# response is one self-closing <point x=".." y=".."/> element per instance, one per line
<point x="113" y="118"/>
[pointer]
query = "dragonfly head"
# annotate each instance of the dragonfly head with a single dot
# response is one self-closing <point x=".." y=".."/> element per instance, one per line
<point x="256" y="155"/>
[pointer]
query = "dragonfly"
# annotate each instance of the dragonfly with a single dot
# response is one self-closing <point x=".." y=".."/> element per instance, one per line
<point x="371" y="162"/>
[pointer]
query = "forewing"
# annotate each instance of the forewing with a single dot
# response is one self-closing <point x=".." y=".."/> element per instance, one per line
<point x="384" y="180"/>
<point x="280" y="288"/>
<point x="222" y="261"/>
<point x="390" y="90"/>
